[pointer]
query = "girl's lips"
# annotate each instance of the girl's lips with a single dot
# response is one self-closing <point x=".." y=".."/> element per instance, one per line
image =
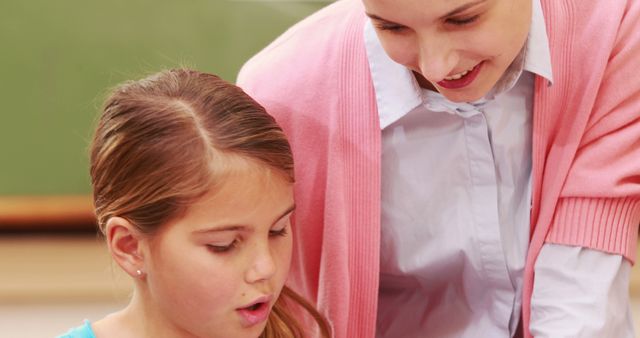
<point x="255" y="313"/>
<point x="463" y="81"/>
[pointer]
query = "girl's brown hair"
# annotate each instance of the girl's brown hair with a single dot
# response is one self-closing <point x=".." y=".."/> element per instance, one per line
<point x="163" y="141"/>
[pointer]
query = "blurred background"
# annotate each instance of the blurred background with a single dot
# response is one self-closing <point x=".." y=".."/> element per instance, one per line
<point x="57" y="61"/>
<point x="59" y="58"/>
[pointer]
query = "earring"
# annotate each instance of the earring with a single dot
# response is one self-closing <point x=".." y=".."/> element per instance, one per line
<point x="139" y="273"/>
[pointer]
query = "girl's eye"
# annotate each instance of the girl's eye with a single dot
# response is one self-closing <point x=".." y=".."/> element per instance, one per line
<point x="463" y="21"/>
<point x="223" y="248"/>
<point x="281" y="232"/>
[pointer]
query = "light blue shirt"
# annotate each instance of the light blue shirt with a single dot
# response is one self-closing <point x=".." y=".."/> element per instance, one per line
<point x="455" y="208"/>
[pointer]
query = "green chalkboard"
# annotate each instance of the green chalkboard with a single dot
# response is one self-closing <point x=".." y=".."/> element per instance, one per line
<point x="58" y="58"/>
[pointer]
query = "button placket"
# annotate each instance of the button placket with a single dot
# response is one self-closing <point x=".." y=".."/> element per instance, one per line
<point x="484" y="196"/>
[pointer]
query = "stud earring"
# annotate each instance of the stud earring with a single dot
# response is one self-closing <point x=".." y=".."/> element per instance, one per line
<point x="139" y="273"/>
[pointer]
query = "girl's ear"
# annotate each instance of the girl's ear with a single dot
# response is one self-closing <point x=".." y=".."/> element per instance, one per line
<point x="124" y="242"/>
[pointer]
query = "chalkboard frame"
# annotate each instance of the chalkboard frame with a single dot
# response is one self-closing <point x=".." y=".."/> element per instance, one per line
<point x="60" y="213"/>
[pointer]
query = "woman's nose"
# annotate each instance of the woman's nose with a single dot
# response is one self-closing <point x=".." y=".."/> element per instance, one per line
<point x="437" y="58"/>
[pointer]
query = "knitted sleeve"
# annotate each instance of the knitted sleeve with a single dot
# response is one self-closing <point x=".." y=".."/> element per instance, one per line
<point x="599" y="204"/>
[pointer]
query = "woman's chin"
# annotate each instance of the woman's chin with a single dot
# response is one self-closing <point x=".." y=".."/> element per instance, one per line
<point x="459" y="96"/>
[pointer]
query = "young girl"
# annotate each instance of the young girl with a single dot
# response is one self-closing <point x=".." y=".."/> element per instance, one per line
<point x="466" y="168"/>
<point x="192" y="185"/>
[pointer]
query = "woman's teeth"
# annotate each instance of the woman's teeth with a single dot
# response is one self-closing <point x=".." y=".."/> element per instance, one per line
<point x="457" y="76"/>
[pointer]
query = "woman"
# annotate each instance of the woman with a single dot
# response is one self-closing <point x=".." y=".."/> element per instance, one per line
<point x="469" y="167"/>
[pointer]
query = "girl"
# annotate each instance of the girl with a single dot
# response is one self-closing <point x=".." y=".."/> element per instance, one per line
<point x="470" y="168"/>
<point x="192" y="185"/>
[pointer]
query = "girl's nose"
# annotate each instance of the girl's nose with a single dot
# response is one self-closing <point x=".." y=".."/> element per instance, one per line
<point x="263" y="265"/>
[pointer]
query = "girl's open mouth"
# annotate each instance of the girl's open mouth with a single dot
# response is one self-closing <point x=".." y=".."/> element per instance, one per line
<point x="255" y="313"/>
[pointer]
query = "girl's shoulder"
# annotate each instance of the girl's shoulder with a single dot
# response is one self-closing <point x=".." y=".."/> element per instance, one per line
<point x="83" y="331"/>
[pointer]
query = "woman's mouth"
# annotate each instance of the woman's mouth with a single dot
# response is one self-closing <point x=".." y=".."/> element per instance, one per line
<point x="461" y="79"/>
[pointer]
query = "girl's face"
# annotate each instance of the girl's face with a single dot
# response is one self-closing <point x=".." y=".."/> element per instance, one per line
<point x="460" y="48"/>
<point x="218" y="270"/>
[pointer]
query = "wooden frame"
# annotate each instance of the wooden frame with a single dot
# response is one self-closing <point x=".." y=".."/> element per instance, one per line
<point x="46" y="213"/>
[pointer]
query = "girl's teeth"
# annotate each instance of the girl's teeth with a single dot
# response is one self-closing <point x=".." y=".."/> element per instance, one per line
<point x="255" y="306"/>
<point x="457" y="76"/>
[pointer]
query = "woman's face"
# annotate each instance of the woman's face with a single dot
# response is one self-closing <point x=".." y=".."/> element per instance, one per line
<point x="460" y="48"/>
<point x="218" y="270"/>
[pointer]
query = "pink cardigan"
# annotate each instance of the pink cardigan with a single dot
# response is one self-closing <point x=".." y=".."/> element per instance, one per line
<point x="586" y="146"/>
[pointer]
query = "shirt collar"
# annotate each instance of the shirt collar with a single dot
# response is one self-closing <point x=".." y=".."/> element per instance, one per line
<point x="397" y="92"/>
<point x="538" y="56"/>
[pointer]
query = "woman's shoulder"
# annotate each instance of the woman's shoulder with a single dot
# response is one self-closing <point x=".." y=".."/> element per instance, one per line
<point x="323" y="26"/>
<point x="83" y="331"/>
<point x="307" y="52"/>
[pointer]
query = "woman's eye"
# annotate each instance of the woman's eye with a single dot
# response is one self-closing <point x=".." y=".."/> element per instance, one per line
<point x="390" y="27"/>
<point x="462" y="21"/>
<point x="223" y="248"/>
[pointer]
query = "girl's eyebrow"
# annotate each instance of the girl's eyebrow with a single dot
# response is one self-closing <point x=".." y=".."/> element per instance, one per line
<point x="240" y="227"/>
<point x="285" y="213"/>
<point x="455" y="11"/>
<point x="223" y="228"/>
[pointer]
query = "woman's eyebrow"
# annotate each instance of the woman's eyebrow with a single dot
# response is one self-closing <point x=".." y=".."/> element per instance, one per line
<point x="455" y="11"/>
<point x="462" y="8"/>
<point x="375" y="17"/>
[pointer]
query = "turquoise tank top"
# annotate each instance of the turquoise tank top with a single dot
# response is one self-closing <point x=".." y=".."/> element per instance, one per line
<point x="83" y="331"/>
